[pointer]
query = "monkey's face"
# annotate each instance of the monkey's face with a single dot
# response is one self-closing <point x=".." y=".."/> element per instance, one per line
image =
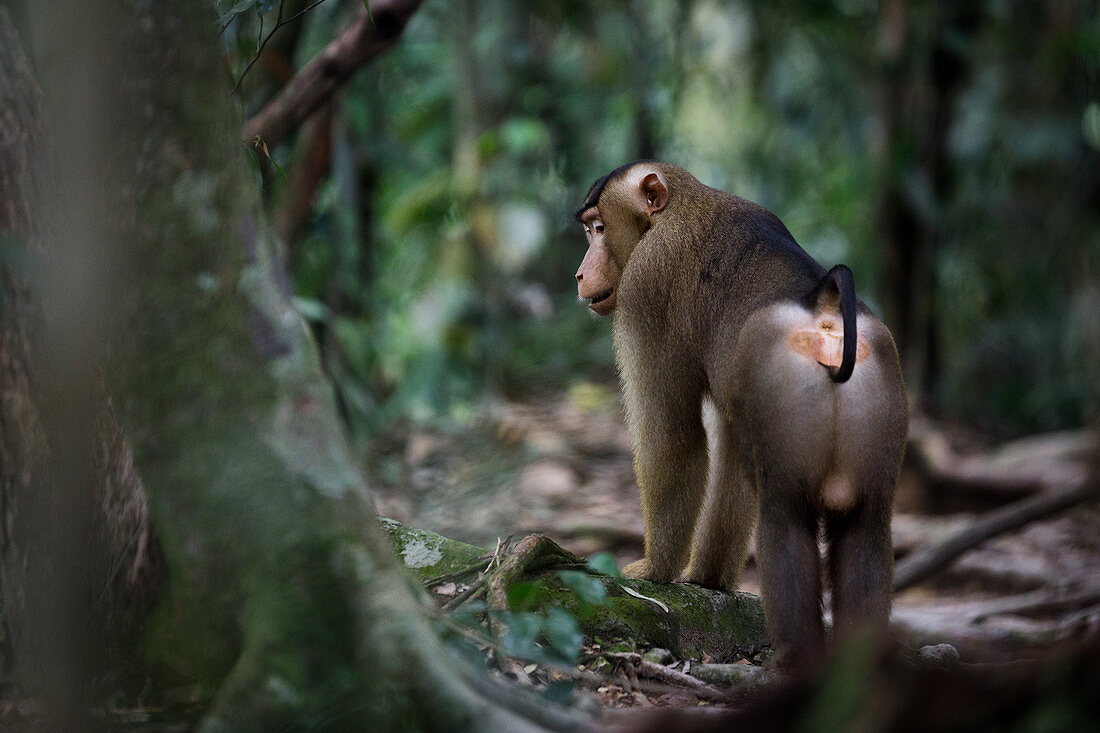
<point x="598" y="276"/>
<point x="617" y="212"/>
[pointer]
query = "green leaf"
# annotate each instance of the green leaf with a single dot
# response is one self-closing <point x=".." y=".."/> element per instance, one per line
<point x="587" y="588"/>
<point x="224" y="16"/>
<point x="604" y="562"/>
<point x="636" y="594"/>
<point x="469" y="615"/>
<point x="521" y="596"/>
<point x="277" y="167"/>
<point x="312" y="309"/>
<point x="559" y="692"/>
<point x="520" y="639"/>
<point x="563" y="634"/>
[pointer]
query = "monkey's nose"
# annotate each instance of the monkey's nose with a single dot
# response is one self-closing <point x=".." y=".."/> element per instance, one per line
<point x="579" y="277"/>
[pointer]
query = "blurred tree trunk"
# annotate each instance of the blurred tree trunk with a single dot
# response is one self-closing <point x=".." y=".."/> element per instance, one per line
<point x="79" y="562"/>
<point x="918" y="89"/>
<point x="284" y="599"/>
<point x="904" y="227"/>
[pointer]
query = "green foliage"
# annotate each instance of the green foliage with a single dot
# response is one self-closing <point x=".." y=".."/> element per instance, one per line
<point x="523" y="596"/>
<point x="441" y="246"/>
<point x="227" y="10"/>
<point x="604" y="562"/>
<point x="590" y="591"/>
<point x="552" y="634"/>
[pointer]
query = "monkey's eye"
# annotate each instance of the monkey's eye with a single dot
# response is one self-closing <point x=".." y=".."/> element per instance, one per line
<point x="587" y="231"/>
<point x="599" y="227"/>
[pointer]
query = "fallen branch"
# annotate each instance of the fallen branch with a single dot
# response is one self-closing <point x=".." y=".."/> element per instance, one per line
<point x="477" y="586"/>
<point x="731" y="675"/>
<point x="1037" y="604"/>
<point x="1039" y="463"/>
<point x="926" y="561"/>
<point x="660" y="673"/>
<point x="371" y="33"/>
<point x="455" y="576"/>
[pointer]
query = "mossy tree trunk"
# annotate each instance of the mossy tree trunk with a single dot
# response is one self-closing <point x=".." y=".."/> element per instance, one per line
<point x="284" y="598"/>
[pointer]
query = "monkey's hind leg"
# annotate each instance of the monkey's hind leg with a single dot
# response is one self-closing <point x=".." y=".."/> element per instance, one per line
<point x="728" y="518"/>
<point x="861" y="563"/>
<point x="871" y="429"/>
<point x="790" y="570"/>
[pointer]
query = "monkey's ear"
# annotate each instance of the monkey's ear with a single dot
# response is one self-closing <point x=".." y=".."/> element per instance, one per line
<point x="654" y="191"/>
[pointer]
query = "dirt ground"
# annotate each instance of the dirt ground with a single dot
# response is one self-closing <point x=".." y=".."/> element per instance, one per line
<point x="562" y="467"/>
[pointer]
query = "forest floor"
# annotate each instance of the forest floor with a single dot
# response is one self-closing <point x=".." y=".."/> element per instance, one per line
<point x="562" y="467"/>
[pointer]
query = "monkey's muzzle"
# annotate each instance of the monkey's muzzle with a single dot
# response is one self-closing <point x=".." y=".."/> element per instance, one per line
<point x="602" y="303"/>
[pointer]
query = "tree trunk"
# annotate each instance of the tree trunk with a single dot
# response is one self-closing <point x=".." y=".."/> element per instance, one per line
<point x="79" y="562"/>
<point x="284" y="599"/>
<point x="916" y="109"/>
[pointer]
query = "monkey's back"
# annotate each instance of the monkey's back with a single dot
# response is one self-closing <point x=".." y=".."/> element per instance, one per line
<point x="704" y="272"/>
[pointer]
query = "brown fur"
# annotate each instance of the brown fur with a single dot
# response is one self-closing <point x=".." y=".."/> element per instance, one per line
<point x="710" y="300"/>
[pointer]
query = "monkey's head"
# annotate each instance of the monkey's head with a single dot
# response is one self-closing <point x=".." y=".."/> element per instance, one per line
<point x="618" y="210"/>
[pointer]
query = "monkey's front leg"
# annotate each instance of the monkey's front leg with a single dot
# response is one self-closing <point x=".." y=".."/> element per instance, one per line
<point x="729" y="514"/>
<point x="670" y="463"/>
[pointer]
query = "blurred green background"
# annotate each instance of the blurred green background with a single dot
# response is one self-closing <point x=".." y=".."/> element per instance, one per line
<point x="948" y="152"/>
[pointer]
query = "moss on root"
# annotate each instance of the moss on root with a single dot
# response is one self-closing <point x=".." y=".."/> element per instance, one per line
<point x="688" y="620"/>
<point x="428" y="555"/>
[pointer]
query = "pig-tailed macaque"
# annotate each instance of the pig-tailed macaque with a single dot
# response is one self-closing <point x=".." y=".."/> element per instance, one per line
<point x="714" y="300"/>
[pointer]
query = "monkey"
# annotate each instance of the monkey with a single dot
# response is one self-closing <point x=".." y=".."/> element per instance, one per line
<point x="713" y="301"/>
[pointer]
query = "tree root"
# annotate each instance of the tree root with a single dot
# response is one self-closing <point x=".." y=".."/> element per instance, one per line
<point x="533" y="554"/>
<point x="634" y="667"/>
<point x="926" y="561"/>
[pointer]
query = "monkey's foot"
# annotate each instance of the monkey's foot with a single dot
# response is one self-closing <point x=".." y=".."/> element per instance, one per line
<point x="718" y="582"/>
<point x="720" y="578"/>
<point x="642" y="569"/>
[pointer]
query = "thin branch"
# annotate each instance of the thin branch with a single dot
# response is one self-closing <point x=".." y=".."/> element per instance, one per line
<point x="667" y="676"/>
<point x="278" y="24"/>
<point x="455" y="576"/>
<point x="533" y="708"/>
<point x="371" y="32"/>
<point x="1041" y="603"/>
<point x="303" y="11"/>
<point x="464" y="596"/>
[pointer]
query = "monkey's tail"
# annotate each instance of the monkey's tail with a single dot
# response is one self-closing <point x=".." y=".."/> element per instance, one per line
<point x="837" y="291"/>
